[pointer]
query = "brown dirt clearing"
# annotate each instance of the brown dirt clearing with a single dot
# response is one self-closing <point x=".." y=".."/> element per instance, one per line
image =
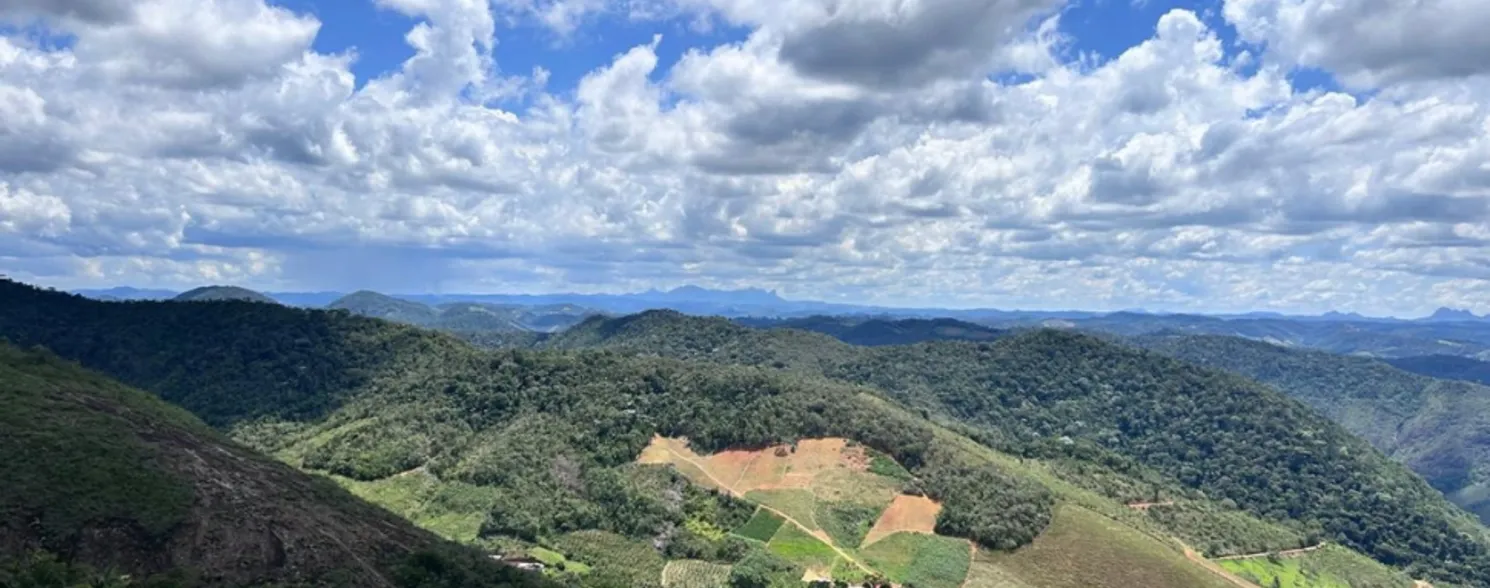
<point x="773" y="468"/>
<point x="915" y="514"/>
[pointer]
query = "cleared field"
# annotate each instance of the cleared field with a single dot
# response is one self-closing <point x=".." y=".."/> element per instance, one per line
<point x="1331" y="567"/>
<point x="796" y="546"/>
<point x="688" y="573"/>
<point x="912" y="514"/>
<point x="830" y="467"/>
<point x="928" y="561"/>
<point x="794" y="503"/>
<point x="762" y="526"/>
<point x="1082" y="549"/>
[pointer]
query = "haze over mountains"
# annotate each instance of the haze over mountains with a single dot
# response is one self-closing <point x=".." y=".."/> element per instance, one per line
<point x="749" y="302"/>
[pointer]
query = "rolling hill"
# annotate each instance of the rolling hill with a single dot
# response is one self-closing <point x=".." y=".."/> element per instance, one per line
<point x="536" y="451"/>
<point x="375" y="305"/>
<point x="1029" y="393"/>
<point x="1448" y="367"/>
<point x="472" y="320"/>
<point x="1439" y="428"/>
<point x="102" y="480"/>
<point x="216" y="293"/>
<point x="1370" y="338"/>
<point x="882" y="331"/>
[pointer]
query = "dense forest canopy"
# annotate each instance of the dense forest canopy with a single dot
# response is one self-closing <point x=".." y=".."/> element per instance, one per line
<point x="383" y="399"/>
<point x="1439" y="428"/>
<point x="1229" y="437"/>
<point x="367" y="399"/>
<point x="116" y="482"/>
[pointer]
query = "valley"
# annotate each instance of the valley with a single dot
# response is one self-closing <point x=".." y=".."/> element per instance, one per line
<point x="933" y="464"/>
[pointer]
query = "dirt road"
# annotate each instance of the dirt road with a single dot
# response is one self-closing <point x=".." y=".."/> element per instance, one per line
<point x="819" y="534"/>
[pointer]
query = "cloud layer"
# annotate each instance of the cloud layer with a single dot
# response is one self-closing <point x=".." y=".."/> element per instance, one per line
<point x="901" y="152"/>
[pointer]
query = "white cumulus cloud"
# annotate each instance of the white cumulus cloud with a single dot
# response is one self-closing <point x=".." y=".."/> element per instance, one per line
<point x="849" y="150"/>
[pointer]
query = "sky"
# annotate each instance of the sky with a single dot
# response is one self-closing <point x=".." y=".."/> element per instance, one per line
<point x="1184" y="155"/>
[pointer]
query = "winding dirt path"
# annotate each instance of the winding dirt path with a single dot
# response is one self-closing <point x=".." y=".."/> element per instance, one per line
<point x="1216" y="569"/>
<point x="1284" y="553"/>
<point x="819" y="534"/>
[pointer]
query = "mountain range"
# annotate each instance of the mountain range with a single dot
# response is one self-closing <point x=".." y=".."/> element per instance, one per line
<point x="755" y="302"/>
<point x="605" y="449"/>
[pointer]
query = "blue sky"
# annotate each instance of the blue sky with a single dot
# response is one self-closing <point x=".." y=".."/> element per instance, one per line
<point x="1099" y="28"/>
<point x="1229" y="155"/>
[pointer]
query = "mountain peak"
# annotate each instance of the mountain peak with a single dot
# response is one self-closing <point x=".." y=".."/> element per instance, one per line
<point x="1453" y="314"/>
<point x="741" y="296"/>
<point x="213" y="293"/>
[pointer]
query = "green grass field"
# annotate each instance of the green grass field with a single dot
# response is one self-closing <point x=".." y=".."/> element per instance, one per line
<point x="453" y="510"/>
<point x="1331" y="567"/>
<point x="687" y="573"/>
<point x="797" y="504"/>
<point x="556" y="561"/>
<point x="761" y="527"/>
<point x="1083" y="549"/>
<point x="926" y="561"/>
<point x="795" y="545"/>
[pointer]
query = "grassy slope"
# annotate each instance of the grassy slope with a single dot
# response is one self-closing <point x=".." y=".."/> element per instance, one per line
<point x="923" y="560"/>
<point x="1085" y="550"/>
<point x="1332" y="567"/>
<point x="115" y="478"/>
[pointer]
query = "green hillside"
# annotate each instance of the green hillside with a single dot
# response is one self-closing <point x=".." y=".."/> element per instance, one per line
<point x="120" y="483"/>
<point x="518" y="449"/>
<point x="372" y="304"/>
<point x="1449" y="367"/>
<point x="1439" y="428"/>
<point x="1050" y="393"/>
<point x="487" y="324"/>
<point x="222" y="293"/>
<point x="881" y="331"/>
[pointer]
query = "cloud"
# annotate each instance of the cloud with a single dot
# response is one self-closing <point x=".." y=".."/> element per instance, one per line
<point x="1370" y="43"/>
<point x="1169" y="176"/>
<point x="892" y="44"/>
<point x="91" y="11"/>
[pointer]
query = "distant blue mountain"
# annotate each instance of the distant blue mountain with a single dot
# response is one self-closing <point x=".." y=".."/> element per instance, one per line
<point x="127" y="293"/>
<point x="1444" y="315"/>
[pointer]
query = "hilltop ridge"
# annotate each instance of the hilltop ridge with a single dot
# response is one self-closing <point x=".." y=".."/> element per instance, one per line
<point x="114" y="479"/>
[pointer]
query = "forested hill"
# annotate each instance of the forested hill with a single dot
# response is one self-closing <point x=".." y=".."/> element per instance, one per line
<point x="536" y="446"/>
<point x="102" y="480"/>
<point x="882" y="331"/>
<point x="226" y="361"/>
<point x="378" y="403"/>
<point x="1446" y="366"/>
<point x="1439" y="428"/>
<point x="1228" y="436"/>
<point x="220" y="293"/>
